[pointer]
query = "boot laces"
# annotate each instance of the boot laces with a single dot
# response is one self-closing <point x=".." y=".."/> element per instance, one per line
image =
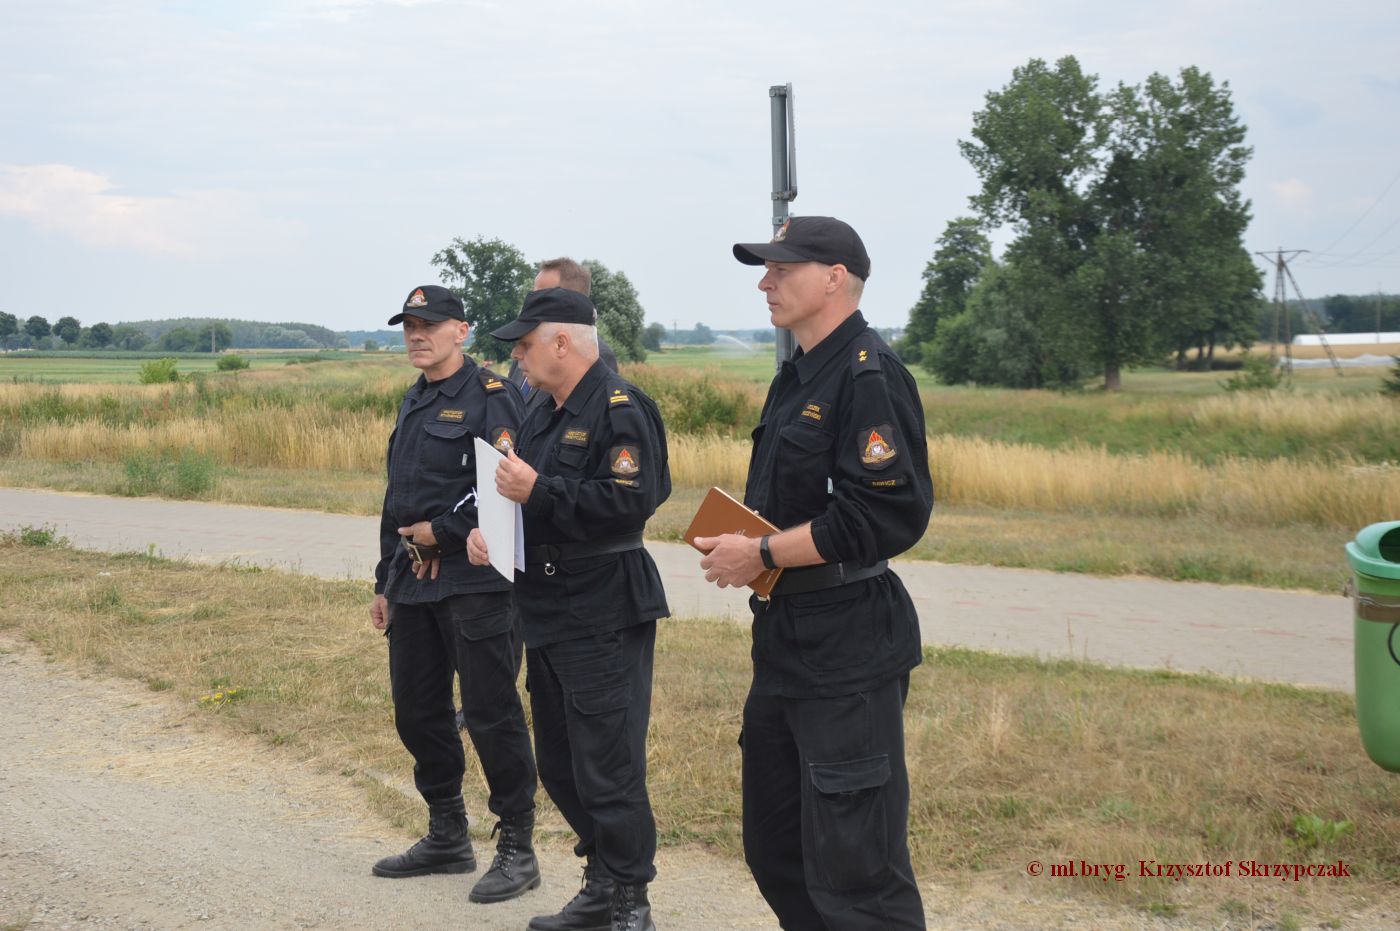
<point x="506" y="848"/>
<point x="625" y="915"/>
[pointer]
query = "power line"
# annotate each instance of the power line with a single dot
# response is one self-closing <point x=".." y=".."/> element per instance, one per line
<point x="1364" y="214"/>
<point x="1337" y="260"/>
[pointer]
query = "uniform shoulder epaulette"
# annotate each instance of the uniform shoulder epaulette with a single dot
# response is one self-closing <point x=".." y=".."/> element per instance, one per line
<point x="491" y="381"/>
<point x="865" y="353"/>
<point x="619" y="397"/>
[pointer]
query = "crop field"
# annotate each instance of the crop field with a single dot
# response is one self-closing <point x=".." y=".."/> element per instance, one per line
<point x="1174" y="476"/>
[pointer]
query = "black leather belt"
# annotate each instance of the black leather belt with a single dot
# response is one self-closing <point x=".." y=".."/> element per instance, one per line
<point x="421" y="552"/>
<point x="832" y="575"/>
<point x="550" y="554"/>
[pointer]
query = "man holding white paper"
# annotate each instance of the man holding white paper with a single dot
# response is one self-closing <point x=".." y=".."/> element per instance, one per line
<point x="442" y="614"/>
<point x="589" y="469"/>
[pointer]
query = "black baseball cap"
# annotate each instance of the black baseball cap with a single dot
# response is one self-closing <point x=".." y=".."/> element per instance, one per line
<point x="810" y="239"/>
<point x="549" y="305"/>
<point x="430" y="302"/>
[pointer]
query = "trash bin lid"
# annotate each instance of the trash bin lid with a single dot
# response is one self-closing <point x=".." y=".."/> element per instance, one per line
<point x="1376" y="550"/>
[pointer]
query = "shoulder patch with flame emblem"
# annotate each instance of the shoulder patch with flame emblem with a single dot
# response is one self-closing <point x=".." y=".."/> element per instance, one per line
<point x="877" y="446"/>
<point x="503" y="439"/>
<point x="624" y="461"/>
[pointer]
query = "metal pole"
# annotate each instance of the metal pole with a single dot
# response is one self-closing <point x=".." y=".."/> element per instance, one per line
<point x="784" y="153"/>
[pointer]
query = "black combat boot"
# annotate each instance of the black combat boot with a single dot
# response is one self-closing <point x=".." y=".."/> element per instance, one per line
<point x="630" y="909"/>
<point x="515" y="870"/>
<point x="590" y="910"/>
<point x="447" y="848"/>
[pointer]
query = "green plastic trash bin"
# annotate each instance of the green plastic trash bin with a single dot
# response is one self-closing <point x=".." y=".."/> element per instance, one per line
<point x="1375" y="559"/>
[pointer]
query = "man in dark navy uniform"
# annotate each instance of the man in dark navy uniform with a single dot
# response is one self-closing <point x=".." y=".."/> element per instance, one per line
<point x="441" y="614"/>
<point x="839" y="463"/>
<point x="562" y="272"/>
<point x="589" y="469"/>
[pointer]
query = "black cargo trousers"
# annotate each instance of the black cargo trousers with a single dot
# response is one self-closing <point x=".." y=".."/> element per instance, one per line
<point x="826" y="808"/>
<point x="477" y="636"/>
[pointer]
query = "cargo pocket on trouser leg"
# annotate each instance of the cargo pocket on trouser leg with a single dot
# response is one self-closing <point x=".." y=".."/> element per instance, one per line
<point x="598" y="739"/>
<point x="848" y="822"/>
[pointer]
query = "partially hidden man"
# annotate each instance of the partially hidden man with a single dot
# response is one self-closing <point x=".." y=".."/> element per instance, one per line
<point x="442" y="614"/>
<point x="839" y="462"/>
<point x="589" y="469"/>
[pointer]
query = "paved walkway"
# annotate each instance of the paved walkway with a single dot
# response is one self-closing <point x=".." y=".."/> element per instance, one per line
<point x="1258" y="633"/>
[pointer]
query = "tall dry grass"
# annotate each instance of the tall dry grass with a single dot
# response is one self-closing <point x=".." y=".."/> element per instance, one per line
<point x="315" y="438"/>
<point x="972" y="471"/>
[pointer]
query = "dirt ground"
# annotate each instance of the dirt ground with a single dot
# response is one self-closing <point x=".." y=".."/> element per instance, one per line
<point x="120" y="809"/>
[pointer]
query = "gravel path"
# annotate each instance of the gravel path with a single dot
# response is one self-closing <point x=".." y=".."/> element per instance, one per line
<point x="1297" y="637"/>
<point x="121" y="809"/>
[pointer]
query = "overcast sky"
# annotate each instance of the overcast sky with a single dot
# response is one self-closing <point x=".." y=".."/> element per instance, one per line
<point x="302" y="160"/>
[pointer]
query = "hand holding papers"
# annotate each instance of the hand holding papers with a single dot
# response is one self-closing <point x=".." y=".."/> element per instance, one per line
<point x="719" y="514"/>
<point x="497" y="516"/>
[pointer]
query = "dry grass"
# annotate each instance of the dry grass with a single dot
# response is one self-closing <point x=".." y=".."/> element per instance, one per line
<point x="965" y="470"/>
<point x="315" y="438"/>
<point x="1010" y="759"/>
<point x="971" y="471"/>
<point x="1309" y="422"/>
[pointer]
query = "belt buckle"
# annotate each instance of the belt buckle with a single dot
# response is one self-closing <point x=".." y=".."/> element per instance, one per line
<point x="412" y="550"/>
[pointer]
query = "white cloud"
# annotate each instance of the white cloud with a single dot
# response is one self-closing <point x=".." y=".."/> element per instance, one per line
<point x="1293" y="193"/>
<point x="91" y="208"/>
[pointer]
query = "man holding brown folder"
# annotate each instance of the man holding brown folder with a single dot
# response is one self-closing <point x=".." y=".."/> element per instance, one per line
<point x="840" y="464"/>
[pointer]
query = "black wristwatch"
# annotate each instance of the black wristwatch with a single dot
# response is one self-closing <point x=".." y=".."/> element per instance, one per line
<point x="766" y="554"/>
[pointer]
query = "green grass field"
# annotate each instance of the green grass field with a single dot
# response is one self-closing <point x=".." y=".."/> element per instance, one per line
<point x="121" y="368"/>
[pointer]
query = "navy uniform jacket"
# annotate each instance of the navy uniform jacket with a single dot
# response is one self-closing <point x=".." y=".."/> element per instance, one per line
<point x="841" y="443"/>
<point x="602" y="465"/>
<point x="432" y="477"/>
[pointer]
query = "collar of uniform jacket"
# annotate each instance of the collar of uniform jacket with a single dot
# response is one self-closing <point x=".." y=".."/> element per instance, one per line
<point x="451" y="384"/>
<point x="577" y="398"/>
<point x="810" y="363"/>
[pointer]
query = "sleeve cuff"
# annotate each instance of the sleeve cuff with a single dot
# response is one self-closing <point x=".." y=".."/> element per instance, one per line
<point x="538" y="502"/>
<point x="448" y="541"/>
<point x="822" y="540"/>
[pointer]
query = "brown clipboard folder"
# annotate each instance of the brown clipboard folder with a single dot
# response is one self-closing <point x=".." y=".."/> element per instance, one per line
<point x="719" y="513"/>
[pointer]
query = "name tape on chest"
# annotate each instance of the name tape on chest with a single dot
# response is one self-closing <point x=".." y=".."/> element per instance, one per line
<point x="451" y="416"/>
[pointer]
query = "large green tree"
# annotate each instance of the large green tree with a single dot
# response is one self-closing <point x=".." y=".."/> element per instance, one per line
<point x="214" y="336"/>
<point x="9" y="328"/>
<point x="1125" y="205"/>
<point x="68" y="329"/>
<point x="97" y="336"/>
<point x="36" y="327"/>
<point x="180" y="339"/>
<point x="620" y="314"/>
<point x="653" y="336"/>
<point x="492" y="278"/>
<point x="961" y="255"/>
<point x="128" y="337"/>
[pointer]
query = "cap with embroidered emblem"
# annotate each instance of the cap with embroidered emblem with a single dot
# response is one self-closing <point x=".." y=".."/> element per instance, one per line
<point x="810" y="239"/>
<point x="430" y="302"/>
<point x="549" y="305"/>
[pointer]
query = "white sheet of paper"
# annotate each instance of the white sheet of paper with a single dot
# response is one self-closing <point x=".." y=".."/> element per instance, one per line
<point x="497" y="516"/>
